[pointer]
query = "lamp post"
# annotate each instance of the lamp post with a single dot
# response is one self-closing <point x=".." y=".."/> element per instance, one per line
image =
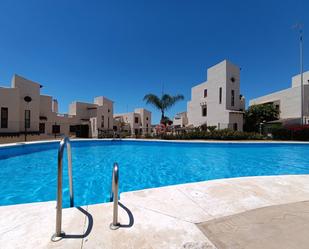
<point x="27" y="99"/>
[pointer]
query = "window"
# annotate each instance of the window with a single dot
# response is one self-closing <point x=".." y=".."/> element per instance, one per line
<point x="220" y="95"/>
<point x="55" y="129"/>
<point x="27" y="119"/>
<point x="204" y="111"/>
<point x="4" y="117"/>
<point x="147" y="118"/>
<point x="102" y="122"/>
<point x="42" y="127"/>
<point x="205" y="93"/>
<point x="136" y="120"/>
<point x="108" y="123"/>
<point x="235" y="126"/>
<point x="277" y="107"/>
<point x="72" y="128"/>
<point x="232" y="98"/>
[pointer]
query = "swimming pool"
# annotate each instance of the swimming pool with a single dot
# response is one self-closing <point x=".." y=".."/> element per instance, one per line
<point x="28" y="173"/>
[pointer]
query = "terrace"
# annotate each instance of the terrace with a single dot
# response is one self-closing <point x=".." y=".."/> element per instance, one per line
<point x="253" y="212"/>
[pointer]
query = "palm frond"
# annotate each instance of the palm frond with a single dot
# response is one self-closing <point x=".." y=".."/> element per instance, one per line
<point x="168" y="101"/>
<point x="153" y="100"/>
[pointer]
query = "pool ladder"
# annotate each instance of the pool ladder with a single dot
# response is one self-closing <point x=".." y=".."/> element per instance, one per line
<point x="114" y="196"/>
<point x="58" y="235"/>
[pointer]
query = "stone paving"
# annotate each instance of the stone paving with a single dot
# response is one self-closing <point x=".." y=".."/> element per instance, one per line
<point x="167" y="217"/>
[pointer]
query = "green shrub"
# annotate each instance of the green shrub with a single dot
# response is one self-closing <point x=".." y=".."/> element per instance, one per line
<point x="216" y="134"/>
<point x="212" y="128"/>
<point x="291" y="133"/>
<point x="281" y="133"/>
<point x="203" y="127"/>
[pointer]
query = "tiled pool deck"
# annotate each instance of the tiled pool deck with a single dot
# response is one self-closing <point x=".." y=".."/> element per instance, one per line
<point x="177" y="216"/>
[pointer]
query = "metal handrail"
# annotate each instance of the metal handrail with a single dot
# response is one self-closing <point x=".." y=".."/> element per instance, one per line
<point x="114" y="196"/>
<point x="65" y="141"/>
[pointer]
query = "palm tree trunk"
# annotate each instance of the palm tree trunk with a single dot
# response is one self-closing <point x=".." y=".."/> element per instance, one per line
<point x="162" y="116"/>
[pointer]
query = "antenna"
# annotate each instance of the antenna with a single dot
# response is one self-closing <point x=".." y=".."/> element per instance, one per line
<point x="299" y="27"/>
<point x="162" y="89"/>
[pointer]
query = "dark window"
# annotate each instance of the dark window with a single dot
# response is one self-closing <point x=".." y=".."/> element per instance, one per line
<point x="56" y="129"/>
<point x="136" y="120"/>
<point x="204" y="111"/>
<point x="42" y="127"/>
<point x="108" y="123"/>
<point x="232" y="98"/>
<point x="27" y="119"/>
<point x="72" y="128"/>
<point x="277" y="107"/>
<point x="205" y="93"/>
<point x="147" y="118"/>
<point x="102" y="122"/>
<point x="220" y="95"/>
<point x="235" y="126"/>
<point x="4" y="117"/>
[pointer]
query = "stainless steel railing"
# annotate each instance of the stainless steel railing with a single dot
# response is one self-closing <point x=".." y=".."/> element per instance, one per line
<point x="65" y="141"/>
<point x="114" y="197"/>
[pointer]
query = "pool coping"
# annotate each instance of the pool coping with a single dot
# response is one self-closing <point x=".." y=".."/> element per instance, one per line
<point x="164" y="217"/>
<point x="158" y="140"/>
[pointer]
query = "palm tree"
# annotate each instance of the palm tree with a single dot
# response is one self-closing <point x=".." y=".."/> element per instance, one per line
<point x="164" y="103"/>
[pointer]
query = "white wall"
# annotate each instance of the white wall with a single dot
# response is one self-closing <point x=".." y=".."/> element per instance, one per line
<point x="218" y="76"/>
<point x="296" y="80"/>
<point x="144" y="120"/>
<point x="181" y="119"/>
<point x="44" y="110"/>
<point x="9" y="98"/>
<point x="31" y="89"/>
<point x="289" y="101"/>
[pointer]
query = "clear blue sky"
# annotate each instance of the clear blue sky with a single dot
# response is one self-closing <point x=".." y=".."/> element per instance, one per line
<point x="125" y="49"/>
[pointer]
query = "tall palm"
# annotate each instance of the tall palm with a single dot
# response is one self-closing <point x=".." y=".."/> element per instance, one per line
<point x="164" y="103"/>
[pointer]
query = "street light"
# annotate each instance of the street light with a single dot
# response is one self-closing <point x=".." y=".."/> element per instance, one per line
<point x="27" y="99"/>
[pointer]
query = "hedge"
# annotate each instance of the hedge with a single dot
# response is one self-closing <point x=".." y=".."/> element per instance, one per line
<point x="301" y="134"/>
<point x="217" y="134"/>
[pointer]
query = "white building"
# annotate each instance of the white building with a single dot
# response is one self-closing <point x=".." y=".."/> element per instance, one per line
<point x="288" y="101"/>
<point x="98" y="115"/>
<point x="137" y="122"/>
<point x="217" y="101"/>
<point x="180" y="120"/>
<point x="25" y="111"/>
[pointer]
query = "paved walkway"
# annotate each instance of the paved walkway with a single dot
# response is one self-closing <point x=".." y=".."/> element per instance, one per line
<point x="281" y="226"/>
<point x="181" y="216"/>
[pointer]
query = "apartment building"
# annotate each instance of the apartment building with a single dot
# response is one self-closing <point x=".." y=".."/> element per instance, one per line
<point x="137" y="122"/>
<point x="180" y="119"/>
<point x="24" y="110"/>
<point x="217" y="101"/>
<point x="97" y="115"/>
<point x="288" y="101"/>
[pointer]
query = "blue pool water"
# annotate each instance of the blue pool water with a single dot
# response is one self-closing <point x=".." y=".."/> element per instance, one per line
<point x="28" y="173"/>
